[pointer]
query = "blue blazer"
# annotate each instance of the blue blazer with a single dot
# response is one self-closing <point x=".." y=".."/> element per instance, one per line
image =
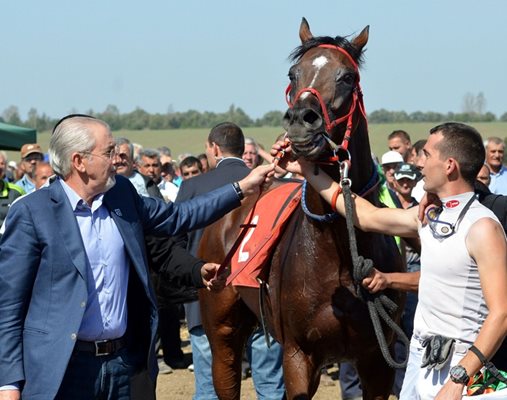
<point x="43" y="288"/>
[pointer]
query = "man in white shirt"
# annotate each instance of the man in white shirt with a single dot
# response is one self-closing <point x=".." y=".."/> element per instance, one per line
<point x="462" y="302"/>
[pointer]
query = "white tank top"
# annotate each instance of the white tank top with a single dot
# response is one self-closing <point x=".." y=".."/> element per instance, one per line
<point x="451" y="302"/>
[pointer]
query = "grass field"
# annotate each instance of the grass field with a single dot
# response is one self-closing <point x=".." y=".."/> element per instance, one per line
<point x="192" y="140"/>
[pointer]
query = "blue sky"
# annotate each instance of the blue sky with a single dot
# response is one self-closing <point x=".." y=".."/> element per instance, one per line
<point x="62" y="56"/>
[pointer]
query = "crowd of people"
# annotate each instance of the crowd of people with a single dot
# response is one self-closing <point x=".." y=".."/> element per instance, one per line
<point x="91" y="223"/>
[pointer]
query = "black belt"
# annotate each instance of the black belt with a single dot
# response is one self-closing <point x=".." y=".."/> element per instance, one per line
<point x="100" y="347"/>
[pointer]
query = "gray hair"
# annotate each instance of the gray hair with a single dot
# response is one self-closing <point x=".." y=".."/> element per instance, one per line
<point x="493" y="140"/>
<point x="149" y="153"/>
<point x="73" y="135"/>
<point x="249" y="140"/>
<point x="164" y="151"/>
<point x="3" y="155"/>
<point x="121" y="140"/>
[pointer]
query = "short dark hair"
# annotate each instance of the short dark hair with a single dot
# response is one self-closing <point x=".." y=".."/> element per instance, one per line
<point x="463" y="143"/>
<point x="399" y="133"/>
<point x="419" y="145"/>
<point x="190" y="161"/>
<point x="229" y="137"/>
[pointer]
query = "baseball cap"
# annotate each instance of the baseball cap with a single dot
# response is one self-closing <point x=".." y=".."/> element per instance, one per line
<point x="30" y="148"/>
<point x="406" y="171"/>
<point x="391" y="157"/>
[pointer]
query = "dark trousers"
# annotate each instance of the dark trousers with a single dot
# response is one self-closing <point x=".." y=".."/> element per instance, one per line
<point x="169" y="332"/>
<point x="99" y="377"/>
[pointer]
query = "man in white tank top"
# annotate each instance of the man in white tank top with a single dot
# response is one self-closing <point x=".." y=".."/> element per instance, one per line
<point x="463" y="262"/>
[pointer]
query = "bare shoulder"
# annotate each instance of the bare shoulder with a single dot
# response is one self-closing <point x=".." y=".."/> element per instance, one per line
<point x="486" y="240"/>
<point x="486" y="228"/>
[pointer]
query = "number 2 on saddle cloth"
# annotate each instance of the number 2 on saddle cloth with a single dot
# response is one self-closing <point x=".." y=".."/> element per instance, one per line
<point x="271" y="213"/>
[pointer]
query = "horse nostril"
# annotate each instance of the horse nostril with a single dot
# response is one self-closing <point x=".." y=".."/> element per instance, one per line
<point x="289" y="114"/>
<point x="311" y="119"/>
<point x="288" y="118"/>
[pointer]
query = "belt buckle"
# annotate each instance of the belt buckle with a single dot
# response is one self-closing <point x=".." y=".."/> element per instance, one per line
<point x="101" y="348"/>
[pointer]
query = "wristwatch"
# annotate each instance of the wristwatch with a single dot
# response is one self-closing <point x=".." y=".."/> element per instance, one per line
<point x="458" y="374"/>
<point x="238" y="190"/>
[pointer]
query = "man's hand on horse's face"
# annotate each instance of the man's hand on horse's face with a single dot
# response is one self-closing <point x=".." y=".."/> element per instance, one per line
<point x="282" y="152"/>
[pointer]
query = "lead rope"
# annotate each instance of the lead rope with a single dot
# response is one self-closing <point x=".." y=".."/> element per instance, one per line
<point x="379" y="305"/>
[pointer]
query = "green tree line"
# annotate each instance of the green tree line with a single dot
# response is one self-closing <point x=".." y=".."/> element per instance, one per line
<point x="140" y="119"/>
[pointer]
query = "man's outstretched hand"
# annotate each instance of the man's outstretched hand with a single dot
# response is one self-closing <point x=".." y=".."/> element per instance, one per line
<point x="260" y="177"/>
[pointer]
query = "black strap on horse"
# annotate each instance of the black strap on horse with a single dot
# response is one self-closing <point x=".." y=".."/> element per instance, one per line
<point x="379" y="305"/>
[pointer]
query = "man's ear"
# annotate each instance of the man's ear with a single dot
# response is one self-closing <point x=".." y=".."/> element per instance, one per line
<point x="76" y="160"/>
<point x="452" y="166"/>
<point x="217" y="152"/>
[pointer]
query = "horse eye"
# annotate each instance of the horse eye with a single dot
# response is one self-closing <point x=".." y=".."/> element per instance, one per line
<point x="348" y="79"/>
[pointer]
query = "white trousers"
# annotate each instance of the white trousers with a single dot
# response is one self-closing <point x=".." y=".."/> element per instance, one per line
<point x="421" y="383"/>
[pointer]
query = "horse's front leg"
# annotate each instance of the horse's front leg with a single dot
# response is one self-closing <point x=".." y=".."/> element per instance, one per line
<point x="228" y="322"/>
<point x="301" y="375"/>
<point x="376" y="376"/>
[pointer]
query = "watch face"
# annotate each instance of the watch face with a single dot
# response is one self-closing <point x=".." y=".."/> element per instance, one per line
<point x="459" y="374"/>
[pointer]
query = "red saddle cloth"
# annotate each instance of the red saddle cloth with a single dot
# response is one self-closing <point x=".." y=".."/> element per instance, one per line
<point x="270" y="215"/>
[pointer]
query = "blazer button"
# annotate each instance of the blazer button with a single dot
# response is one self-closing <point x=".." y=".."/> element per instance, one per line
<point x="83" y="304"/>
<point x="73" y="336"/>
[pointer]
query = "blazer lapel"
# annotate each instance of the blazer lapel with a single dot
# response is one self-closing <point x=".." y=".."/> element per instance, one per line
<point x="69" y="229"/>
<point x="121" y="218"/>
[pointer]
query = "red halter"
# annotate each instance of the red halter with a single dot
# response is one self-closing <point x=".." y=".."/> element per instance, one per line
<point x="357" y="100"/>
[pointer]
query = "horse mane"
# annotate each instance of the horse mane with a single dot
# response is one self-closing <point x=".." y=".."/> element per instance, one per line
<point x="339" y="41"/>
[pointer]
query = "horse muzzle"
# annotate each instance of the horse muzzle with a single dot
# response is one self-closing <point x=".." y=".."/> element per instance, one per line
<point x="305" y="130"/>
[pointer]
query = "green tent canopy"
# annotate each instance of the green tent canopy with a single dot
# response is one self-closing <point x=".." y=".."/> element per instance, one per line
<point x="13" y="137"/>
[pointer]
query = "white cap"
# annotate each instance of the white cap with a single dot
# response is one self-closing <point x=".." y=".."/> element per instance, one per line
<point x="12" y="164"/>
<point x="391" y="157"/>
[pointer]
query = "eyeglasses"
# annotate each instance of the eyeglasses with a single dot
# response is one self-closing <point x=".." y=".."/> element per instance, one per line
<point x="108" y="155"/>
<point x="442" y="229"/>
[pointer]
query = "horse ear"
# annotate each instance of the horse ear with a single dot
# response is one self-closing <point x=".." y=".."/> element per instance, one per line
<point x="304" y="31"/>
<point x="360" y="40"/>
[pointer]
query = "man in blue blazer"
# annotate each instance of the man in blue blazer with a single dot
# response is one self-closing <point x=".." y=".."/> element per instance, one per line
<point x="78" y="314"/>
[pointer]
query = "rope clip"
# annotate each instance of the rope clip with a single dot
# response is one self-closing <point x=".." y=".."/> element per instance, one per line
<point x="344" y="172"/>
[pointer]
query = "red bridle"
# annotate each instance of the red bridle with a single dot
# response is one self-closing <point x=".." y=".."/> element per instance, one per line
<point x="357" y="101"/>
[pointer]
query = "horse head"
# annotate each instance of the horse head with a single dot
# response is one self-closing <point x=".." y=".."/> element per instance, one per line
<point x="324" y="96"/>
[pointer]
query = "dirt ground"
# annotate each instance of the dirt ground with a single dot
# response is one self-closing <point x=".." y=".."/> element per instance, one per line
<point x="179" y="385"/>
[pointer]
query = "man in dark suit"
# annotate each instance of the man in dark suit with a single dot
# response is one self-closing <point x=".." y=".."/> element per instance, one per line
<point x="224" y="150"/>
<point x="78" y="314"/>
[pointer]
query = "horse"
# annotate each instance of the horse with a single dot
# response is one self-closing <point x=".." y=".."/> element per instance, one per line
<point x="311" y="303"/>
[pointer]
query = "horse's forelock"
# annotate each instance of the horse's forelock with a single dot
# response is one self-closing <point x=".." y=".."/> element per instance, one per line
<point x="339" y="41"/>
